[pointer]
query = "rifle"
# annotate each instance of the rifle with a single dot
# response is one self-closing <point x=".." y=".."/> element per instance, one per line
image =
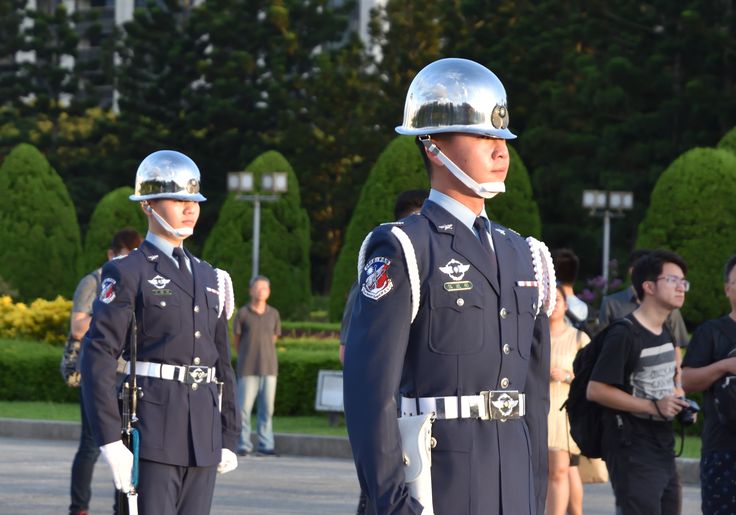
<point x="129" y="394"/>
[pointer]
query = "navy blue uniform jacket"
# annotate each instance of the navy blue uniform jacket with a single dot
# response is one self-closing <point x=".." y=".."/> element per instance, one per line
<point x="479" y="467"/>
<point x="176" y="324"/>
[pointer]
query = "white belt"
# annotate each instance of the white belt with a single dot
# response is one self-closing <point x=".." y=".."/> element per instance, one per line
<point x="189" y="374"/>
<point x="488" y="405"/>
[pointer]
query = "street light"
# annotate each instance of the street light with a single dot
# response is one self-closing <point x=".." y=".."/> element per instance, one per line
<point x="608" y="204"/>
<point x="243" y="184"/>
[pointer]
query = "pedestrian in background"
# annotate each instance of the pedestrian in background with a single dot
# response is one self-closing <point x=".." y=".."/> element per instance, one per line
<point x="123" y="242"/>
<point x="256" y="327"/>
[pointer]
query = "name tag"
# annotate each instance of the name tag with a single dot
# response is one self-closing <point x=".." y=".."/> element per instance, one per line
<point x="458" y="285"/>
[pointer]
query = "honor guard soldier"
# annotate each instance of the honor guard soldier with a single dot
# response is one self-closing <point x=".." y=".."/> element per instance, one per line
<point x="450" y="325"/>
<point x="165" y="311"/>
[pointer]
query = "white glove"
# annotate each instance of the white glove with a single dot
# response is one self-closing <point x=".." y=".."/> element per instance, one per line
<point x="228" y="462"/>
<point x="120" y="459"/>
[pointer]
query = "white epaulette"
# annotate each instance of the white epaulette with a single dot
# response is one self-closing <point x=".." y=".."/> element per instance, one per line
<point x="227" y="294"/>
<point x="544" y="274"/>
<point x="410" y="258"/>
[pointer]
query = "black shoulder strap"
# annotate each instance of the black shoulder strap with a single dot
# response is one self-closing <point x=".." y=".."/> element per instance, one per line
<point x="727" y="327"/>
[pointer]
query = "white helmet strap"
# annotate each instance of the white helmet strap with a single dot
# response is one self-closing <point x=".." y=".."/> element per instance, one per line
<point x="182" y="232"/>
<point x="483" y="190"/>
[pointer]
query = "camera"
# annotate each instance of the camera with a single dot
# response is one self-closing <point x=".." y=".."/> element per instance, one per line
<point x="686" y="417"/>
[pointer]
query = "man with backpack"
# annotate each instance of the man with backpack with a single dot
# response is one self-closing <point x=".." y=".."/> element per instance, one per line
<point x="635" y="378"/>
<point x="709" y="366"/>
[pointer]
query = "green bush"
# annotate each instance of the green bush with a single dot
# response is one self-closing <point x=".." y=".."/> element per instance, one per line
<point x="692" y="212"/>
<point x="41" y="251"/>
<point x="728" y="141"/>
<point x="32" y="373"/>
<point x="284" y="244"/>
<point x="115" y="211"/>
<point x="398" y="168"/>
<point x="310" y="329"/>
<point x="516" y="208"/>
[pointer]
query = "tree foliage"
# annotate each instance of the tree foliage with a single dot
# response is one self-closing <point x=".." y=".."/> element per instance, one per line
<point x="284" y="241"/>
<point x="728" y="141"/>
<point x="399" y="168"/>
<point x="41" y="251"/>
<point x="114" y="212"/>
<point x="692" y="213"/>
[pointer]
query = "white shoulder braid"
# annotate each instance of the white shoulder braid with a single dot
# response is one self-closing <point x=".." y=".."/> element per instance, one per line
<point x="227" y="295"/>
<point x="544" y="274"/>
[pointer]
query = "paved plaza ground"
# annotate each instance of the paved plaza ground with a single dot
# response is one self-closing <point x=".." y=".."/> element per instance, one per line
<point x="34" y="479"/>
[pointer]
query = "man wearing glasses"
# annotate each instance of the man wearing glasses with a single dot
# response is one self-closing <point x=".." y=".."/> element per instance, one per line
<point x="635" y="376"/>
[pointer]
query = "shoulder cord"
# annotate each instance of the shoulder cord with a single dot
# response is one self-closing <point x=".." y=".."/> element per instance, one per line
<point x="227" y="295"/>
<point x="544" y="274"/>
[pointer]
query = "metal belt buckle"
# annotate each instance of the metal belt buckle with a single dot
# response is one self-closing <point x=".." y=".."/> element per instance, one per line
<point x="196" y="374"/>
<point x="502" y="404"/>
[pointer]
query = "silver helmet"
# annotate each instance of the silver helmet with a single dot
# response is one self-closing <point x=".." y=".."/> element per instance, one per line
<point x="456" y="95"/>
<point x="167" y="174"/>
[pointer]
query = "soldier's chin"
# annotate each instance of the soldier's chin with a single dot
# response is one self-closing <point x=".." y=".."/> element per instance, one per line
<point x="183" y="232"/>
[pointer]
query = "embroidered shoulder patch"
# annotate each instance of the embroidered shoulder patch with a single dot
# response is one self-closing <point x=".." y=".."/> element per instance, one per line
<point x="377" y="282"/>
<point x="107" y="290"/>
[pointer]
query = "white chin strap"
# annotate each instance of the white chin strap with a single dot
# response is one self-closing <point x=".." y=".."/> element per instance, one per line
<point x="182" y="232"/>
<point x="482" y="189"/>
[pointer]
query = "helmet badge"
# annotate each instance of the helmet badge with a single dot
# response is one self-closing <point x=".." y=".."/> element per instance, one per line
<point x="500" y="117"/>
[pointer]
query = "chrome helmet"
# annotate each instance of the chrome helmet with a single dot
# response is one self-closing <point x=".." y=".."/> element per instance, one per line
<point x="167" y="174"/>
<point x="456" y="95"/>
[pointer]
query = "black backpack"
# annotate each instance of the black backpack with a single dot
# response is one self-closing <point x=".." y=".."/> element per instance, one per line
<point x="586" y="425"/>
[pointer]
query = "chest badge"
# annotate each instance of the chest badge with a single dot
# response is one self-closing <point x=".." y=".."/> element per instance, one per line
<point x="159" y="282"/>
<point x="377" y="282"/>
<point x="455" y="269"/>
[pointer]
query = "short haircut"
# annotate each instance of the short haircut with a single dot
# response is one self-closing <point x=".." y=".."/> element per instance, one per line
<point x="125" y="239"/>
<point x="636" y="255"/>
<point x="409" y="202"/>
<point x="425" y="157"/>
<point x="649" y="267"/>
<point x="566" y="265"/>
<point x="257" y="278"/>
<point x="729" y="266"/>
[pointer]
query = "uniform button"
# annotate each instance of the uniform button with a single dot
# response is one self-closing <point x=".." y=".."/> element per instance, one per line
<point x="503" y="313"/>
<point x="196" y="309"/>
<point x="505" y="382"/>
<point x="196" y="361"/>
<point x="506" y="348"/>
<point x="459" y="302"/>
<point x="197" y="334"/>
<point x="163" y="303"/>
<point x="195" y="386"/>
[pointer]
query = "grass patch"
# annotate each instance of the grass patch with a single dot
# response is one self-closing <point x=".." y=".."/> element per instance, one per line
<point x="313" y="425"/>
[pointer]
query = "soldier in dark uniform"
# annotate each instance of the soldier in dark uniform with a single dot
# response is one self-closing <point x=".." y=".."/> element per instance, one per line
<point x="451" y="317"/>
<point x="188" y="431"/>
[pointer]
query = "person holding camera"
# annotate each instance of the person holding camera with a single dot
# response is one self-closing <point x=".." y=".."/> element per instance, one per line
<point x="710" y="360"/>
<point x="635" y="376"/>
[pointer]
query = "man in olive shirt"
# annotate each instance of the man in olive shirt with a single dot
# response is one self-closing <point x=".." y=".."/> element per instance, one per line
<point x="256" y="328"/>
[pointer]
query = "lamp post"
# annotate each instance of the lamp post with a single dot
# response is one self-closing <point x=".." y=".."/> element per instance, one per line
<point x="608" y="204"/>
<point x="243" y="184"/>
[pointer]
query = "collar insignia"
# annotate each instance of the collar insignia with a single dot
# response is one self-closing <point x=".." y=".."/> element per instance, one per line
<point x="153" y="258"/>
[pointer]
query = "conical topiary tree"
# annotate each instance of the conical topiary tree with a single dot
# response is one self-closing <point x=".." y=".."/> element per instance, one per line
<point x="516" y="208"/>
<point x="41" y="250"/>
<point x="284" y="241"/>
<point x="398" y="168"/>
<point x="728" y="141"/>
<point x="692" y="212"/>
<point x="113" y="212"/>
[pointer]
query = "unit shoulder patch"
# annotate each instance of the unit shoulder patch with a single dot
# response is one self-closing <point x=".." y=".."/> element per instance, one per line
<point x="377" y="281"/>
<point x="107" y="290"/>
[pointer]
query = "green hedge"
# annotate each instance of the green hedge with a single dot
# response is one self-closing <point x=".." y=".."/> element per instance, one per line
<point x="31" y="373"/>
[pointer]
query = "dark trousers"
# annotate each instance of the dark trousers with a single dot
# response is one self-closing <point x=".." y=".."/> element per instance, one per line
<point x="718" y="482"/>
<point x="643" y="475"/>
<point x="83" y="466"/>
<point x="174" y="490"/>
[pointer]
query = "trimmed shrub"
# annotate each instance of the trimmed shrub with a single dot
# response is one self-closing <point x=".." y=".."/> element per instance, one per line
<point x="516" y="208"/>
<point x="41" y="250"/>
<point x="32" y="373"/>
<point x="728" y="141"/>
<point x="398" y="168"/>
<point x="692" y="212"/>
<point x="284" y="241"/>
<point x="115" y="211"/>
<point x="44" y="320"/>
